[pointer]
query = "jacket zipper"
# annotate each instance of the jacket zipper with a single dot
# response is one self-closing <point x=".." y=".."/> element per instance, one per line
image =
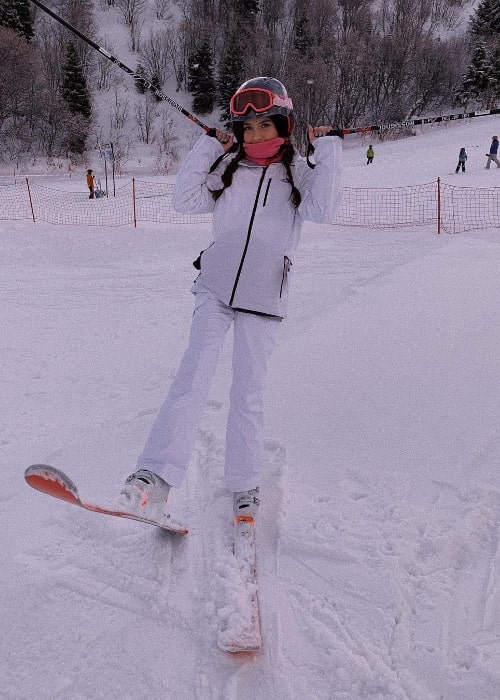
<point x="249" y="232"/>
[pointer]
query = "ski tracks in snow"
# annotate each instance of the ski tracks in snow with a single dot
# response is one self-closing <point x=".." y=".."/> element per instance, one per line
<point x="222" y="675"/>
<point x="372" y="592"/>
<point x="82" y="564"/>
<point x="393" y="600"/>
<point x="164" y="599"/>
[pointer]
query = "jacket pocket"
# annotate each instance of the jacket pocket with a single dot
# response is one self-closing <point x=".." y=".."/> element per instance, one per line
<point x="287" y="266"/>
<point x="197" y="262"/>
<point x="267" y="191"/>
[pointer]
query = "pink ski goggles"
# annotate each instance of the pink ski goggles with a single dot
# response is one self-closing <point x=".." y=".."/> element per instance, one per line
<point x="259" y="100"/>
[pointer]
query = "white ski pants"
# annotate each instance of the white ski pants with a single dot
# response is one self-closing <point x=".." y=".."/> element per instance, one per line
<point x="170" y="443"/>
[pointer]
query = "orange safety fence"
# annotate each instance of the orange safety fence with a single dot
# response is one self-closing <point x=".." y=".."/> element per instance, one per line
<point x="445" y="207"/>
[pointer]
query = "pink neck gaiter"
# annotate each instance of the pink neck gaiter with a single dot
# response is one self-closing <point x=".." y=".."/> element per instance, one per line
<point x="264" y="152"/>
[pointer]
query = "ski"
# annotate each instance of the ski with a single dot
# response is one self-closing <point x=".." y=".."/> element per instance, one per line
<point x="56" y="483"/>
<point x="243" y="634"/>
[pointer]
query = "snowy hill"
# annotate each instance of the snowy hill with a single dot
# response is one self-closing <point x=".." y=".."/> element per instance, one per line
<point x="379" y="529"/>
<point x="150" y="137"/>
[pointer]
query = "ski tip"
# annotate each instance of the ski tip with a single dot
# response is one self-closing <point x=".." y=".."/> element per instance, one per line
<point x="175" y="527"/>
<point x="51" y="481"/>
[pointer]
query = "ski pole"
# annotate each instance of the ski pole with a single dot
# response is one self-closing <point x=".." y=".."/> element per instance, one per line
<point x="423" y="120"/>
<point x="209" y="130"/>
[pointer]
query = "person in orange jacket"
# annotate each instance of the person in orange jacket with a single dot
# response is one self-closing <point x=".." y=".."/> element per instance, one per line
<point x="91" y="184"/>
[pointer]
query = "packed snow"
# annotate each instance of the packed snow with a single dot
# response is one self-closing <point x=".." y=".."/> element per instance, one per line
<point x="379" y="529"/>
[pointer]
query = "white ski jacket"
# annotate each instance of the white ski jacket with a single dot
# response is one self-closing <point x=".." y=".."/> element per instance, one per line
<point x="256" y="227"/>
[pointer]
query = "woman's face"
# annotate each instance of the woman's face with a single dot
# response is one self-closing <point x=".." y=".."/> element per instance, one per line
<point x="259" y="129"/>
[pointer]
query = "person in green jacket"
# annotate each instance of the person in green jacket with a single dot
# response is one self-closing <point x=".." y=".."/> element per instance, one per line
<point x="370" y="154"/>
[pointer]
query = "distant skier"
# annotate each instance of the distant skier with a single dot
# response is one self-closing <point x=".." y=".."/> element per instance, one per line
<point x="260" y="192"/>
<point x="462" y="157"/>
<point x="493" y="154"/>
<point x="370" y="155"/>
<point x="91" y="183"/>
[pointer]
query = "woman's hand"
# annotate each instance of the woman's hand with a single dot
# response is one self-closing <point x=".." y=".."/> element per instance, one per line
<point x="225" y="139"/>
<point x="313" y="132"/>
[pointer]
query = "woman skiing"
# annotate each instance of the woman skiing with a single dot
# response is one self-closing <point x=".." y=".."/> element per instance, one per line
<point x="260" y="190"/>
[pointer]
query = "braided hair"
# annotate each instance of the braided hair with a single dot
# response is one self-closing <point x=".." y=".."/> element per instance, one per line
<point x="287" y="152"/>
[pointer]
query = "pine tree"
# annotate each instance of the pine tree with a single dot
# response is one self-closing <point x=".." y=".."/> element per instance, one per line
<point x="476" y="80"/>
<point x="230" y="76"/>
<point x="22" y="8"/>
<point x="140" y="73"/>
<point x="201" y="82"/>
<point x="494" y="75"/>
<point x="74" y="86"/>
<point x="75" y="94"/>
<point x="486" y="19"/>
<point x="9" y="16"/>
<point x="155" y="82"/>
<point x="16" y="15"/>
<point x="482" y="78"/>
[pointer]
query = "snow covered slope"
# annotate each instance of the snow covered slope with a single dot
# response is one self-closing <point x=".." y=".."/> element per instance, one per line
<point x="378" y="535"/>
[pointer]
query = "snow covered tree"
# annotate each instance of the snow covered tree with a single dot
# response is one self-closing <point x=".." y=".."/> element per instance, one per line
<point x="486" y="19"/>
<point x="156" y="53"/>
<point x="476" y="79"/>
<point x="201" y="81"/>
<point x="140" y="73"/>
<point x="24" y="13"/>
<point x="481" y="80"/>
<point x="156" y="83"/>
<point x="16" y="15"/>
<point x="493" y="91"/>
<point x="74" y="87"/>
<point x="133" y="14"/>
<point x="146" y="114"/>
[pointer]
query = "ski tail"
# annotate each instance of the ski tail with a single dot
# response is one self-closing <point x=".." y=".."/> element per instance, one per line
<point x="245" y="634"/>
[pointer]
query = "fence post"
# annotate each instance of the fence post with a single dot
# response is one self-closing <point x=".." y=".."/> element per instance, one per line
<point x="31" y="201"/>
<point x="439" y="205"/>
<point x="133" y="201"/>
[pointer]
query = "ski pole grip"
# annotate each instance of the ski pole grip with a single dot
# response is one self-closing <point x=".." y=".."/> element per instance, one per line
<point x="335" y="132"/>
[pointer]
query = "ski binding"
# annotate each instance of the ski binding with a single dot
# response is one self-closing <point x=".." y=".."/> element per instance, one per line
<point x="56" y="483"/>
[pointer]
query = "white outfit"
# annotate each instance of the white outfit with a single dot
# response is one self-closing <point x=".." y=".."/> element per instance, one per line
<point x="256" y="227"/>
<point x="168" y="448"/>
<point x="244" y="282"/>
